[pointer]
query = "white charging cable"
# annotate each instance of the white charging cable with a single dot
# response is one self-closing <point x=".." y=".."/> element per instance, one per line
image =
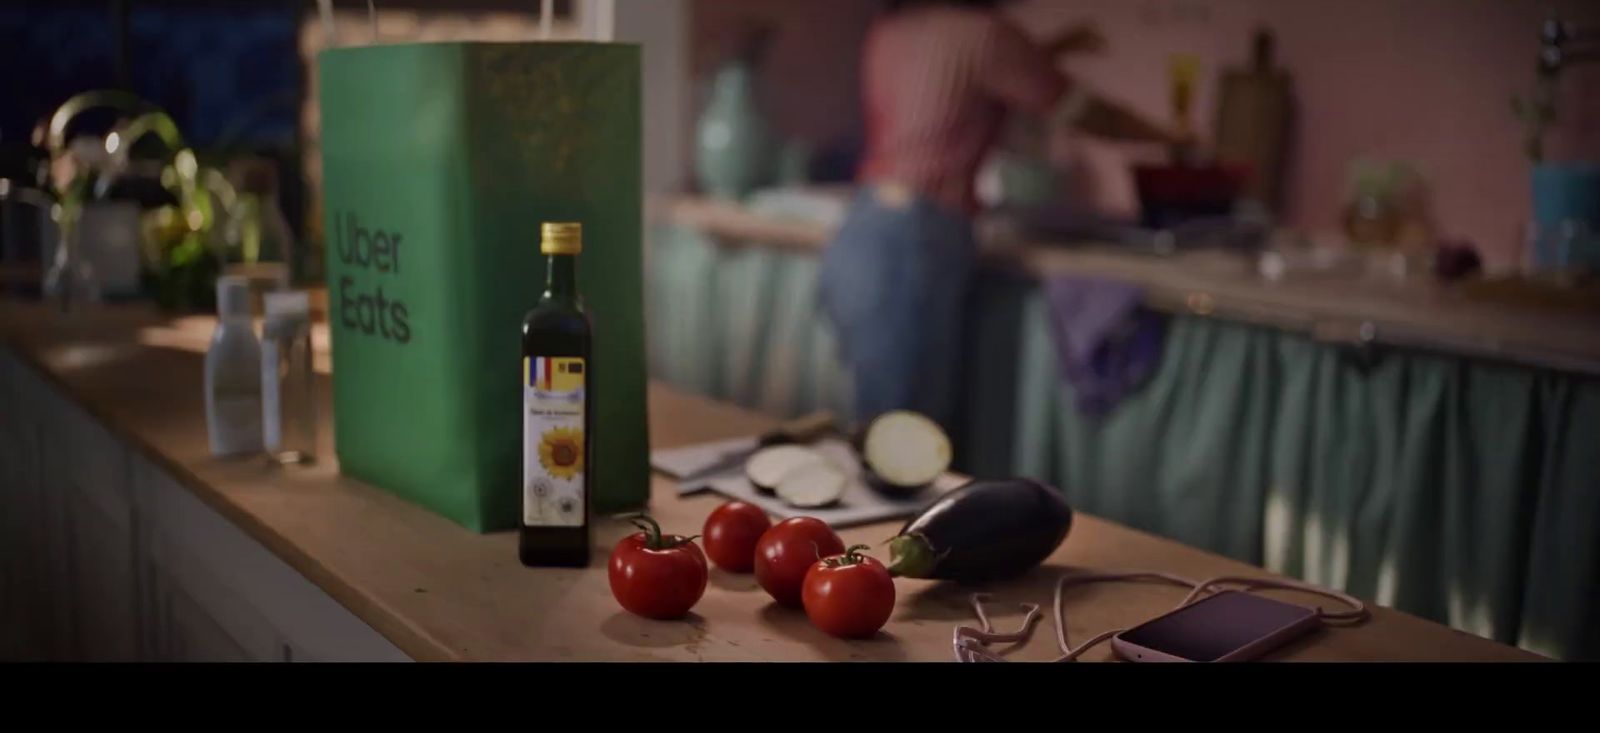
<point x="972" y="644"/>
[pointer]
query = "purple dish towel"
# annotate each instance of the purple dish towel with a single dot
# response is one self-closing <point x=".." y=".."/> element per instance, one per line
<point x="1106" y="343"/>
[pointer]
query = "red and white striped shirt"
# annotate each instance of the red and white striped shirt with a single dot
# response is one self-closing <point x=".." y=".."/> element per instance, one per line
<point x="937" y="84"/>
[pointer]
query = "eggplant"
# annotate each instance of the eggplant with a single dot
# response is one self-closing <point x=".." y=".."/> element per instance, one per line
<point x="903" y="451"/>
<point x="812" y="485"/>
<point x="766" y="467"/>
<point x="985" y="530"/>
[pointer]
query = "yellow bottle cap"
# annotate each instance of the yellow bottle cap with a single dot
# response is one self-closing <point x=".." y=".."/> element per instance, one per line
<point x="561" y="238"/>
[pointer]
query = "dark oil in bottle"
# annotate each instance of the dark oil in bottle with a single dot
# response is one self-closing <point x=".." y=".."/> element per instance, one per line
<point x="557" y="414"/>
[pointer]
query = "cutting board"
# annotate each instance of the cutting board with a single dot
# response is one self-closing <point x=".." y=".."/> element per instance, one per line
<point x="861" y="504"/>
<point x="1254" y="113"/>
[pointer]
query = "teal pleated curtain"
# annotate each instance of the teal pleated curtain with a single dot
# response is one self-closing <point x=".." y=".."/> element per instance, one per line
<point x="740" y="324"/>
<point x="1460" y="490"/>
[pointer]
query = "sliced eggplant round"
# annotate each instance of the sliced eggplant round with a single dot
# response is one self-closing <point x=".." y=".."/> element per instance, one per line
<point x="904" y="451"/>
<point x="813" y="485"/>
<point x="985" y="530"/>
<point x="767" y="467"/>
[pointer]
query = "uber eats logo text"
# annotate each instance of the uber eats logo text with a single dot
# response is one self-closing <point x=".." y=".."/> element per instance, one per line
<point x="377" y="252"/>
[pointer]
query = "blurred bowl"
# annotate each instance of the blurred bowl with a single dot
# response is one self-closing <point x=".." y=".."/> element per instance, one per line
<point x="1172" y="194"/>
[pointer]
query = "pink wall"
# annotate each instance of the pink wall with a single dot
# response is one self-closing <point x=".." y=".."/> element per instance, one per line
<point x="1427" y="81"/>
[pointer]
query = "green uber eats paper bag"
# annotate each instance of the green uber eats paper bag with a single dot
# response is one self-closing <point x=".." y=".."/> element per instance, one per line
<point x="440" y="162"/>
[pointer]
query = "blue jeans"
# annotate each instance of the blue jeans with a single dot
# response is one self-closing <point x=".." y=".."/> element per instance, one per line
<point x="894" y="282"/>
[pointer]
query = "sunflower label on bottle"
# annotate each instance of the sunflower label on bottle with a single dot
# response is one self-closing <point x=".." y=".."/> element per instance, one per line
<point x="553" y="444"/>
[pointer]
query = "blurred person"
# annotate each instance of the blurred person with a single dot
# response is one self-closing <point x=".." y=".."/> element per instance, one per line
<point x="939" y="80"/>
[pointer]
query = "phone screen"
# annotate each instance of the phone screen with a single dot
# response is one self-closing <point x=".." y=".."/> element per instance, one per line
<point x="1206" y="630"/>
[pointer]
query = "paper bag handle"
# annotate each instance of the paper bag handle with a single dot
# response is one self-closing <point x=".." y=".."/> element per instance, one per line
<point x="600" y="16"/>
<point x="599" y="19"/>
<point x="330" y="28"/>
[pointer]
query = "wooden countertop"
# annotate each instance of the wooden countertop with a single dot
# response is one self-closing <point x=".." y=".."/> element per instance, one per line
<point x="440" y="592"/>
<point x="1493" y="321"/>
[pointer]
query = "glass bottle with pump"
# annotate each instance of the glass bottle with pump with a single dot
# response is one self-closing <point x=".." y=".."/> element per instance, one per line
<point x="289" y="414"/>
<point x="557" y="429"/>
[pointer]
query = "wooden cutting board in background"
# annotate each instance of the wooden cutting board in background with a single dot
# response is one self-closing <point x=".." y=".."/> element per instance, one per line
<point x="1254" y="112"/>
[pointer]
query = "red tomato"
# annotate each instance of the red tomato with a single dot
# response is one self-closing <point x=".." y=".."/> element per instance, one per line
<point x="849" y="596"/>
<point x="657" y="576"/>
<point x="731" y="533"/>
<point x="785" y="552"/>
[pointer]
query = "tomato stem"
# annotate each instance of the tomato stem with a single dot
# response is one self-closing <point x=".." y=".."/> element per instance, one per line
<point x="653" y="538"/>
<point x="651" y="529"/>
<point x="851" y="556"/>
